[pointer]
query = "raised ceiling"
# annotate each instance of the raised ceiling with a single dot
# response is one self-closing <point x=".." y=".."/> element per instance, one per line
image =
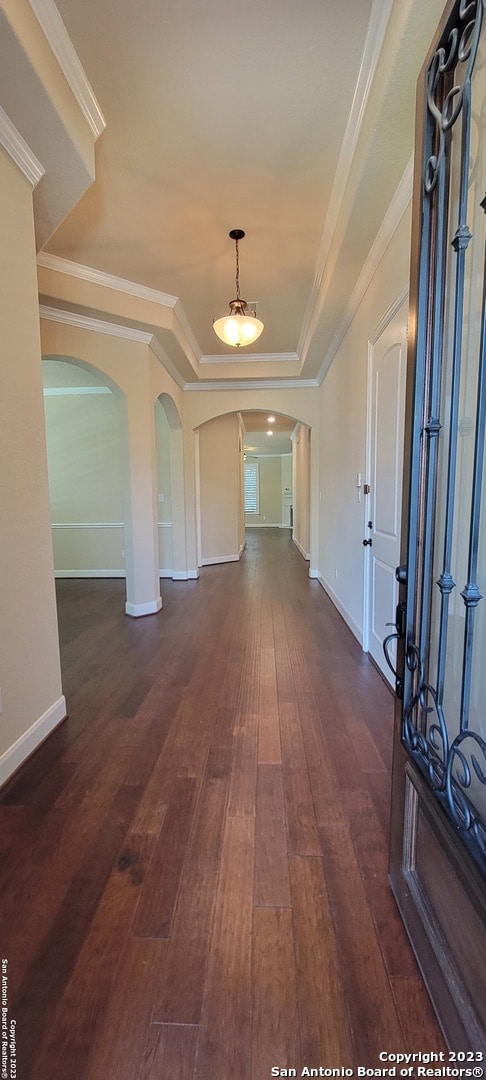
<point x="257" y="116"/>
<point x="257" y="427"/>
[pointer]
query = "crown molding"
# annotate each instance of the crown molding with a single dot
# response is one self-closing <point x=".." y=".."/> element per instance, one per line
<point x="188" y="341"/>
<point x="262" y="454"/>
<point x="74" y="391"/>
<point x="185" y="336"/>
<point x="377" y="26"/>
<point x="19" y="151"/>
<point x="99" y="326"/>
<point x="390" y="223"/>
<point x="88" y="524"/>
<point x="254" y="384"/>
<point x="53" y="262"/>
<point x="163" y="359"/>
<point x="109" y="281"/>
<point x="254" y="358"/>
<point x="131" y="288"/>
<point x="58" y="38"/>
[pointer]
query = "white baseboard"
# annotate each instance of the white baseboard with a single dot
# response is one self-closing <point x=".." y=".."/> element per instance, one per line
<point x="179" y="575"/>
<point x="15" y="756"/>
<point x="90" y="573"/>
<point x="175" y="575"/>
<point x="193" y="575"/>
<point x="213" y="561"/>
<point x="137" y="610"/>
<point x="313" y="573"/>
<point x="265" y="525"/>
<point x="348" y="618"/>
<point x="299" y="547"/>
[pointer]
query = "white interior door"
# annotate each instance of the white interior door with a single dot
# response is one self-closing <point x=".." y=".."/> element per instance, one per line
<point x="387" y="364"/>
<point x="286" y="489"/>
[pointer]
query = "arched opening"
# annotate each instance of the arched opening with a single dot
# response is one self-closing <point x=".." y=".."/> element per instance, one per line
<point x="101" y="493"/>
<point x="267" y="451"/>
<point x="279" y="446"/>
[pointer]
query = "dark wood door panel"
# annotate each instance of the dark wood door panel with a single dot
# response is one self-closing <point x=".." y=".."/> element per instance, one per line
<point x="441" y="897"/>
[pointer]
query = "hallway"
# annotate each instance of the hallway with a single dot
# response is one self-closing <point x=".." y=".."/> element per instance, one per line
<point x="194" y="865"/>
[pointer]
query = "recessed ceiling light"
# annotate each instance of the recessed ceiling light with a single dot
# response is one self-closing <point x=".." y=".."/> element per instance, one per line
<point x="269" y="432"/>
<point x="270" y="419"/>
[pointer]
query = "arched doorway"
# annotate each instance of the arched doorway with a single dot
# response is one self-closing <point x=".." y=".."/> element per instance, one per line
<point x="101" y="480"/>
<point x="275" y="448"/>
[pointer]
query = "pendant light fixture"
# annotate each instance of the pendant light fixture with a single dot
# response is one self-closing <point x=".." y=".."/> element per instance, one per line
<point x="240" y="326"/>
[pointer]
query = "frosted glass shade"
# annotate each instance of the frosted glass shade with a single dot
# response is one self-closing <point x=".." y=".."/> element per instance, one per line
<point x="238" y="330"/>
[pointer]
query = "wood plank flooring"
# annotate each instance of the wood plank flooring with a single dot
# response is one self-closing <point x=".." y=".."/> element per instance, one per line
<point x="194" y="865"/>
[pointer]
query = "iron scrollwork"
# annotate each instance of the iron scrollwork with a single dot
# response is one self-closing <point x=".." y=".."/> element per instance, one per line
<point x="448" y="764"/>
<point x="452" y="757"/>
<point x="461" y="47"/>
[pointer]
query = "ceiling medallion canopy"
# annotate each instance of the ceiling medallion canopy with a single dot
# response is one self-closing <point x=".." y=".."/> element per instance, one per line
<point x="240" y="326"/>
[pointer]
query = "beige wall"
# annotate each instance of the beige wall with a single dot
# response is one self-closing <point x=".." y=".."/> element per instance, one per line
<point x="301" y="489"/>
<point x="30" y="677"/>
<point x="220" y="490"/>
<point x="84" y="452"/>
<point x="38" y="101"/>
<point x="164" y="491"/>
<point x="85" y="447"/>
<point x="343" y="435"/>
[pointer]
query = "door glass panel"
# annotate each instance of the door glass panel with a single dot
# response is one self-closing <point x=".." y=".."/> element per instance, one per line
<point x="444" y="712"/>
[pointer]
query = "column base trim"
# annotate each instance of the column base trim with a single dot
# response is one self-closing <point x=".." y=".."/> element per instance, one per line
<point x="136" y="611"/>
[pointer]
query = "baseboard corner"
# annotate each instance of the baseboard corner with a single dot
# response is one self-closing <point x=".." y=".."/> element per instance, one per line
<point x="30" y="740"/>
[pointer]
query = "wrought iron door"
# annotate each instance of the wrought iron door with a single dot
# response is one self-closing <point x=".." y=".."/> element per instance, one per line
<point x="440" y="769"/>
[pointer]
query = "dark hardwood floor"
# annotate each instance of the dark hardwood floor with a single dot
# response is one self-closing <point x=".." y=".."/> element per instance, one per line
<point x="194" y="865"/>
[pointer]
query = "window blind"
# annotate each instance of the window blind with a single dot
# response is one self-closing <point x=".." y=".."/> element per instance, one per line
<point x="252" y="486"/>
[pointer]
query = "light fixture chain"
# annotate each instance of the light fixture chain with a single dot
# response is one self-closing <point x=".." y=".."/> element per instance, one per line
<point x="237" y="271"/>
